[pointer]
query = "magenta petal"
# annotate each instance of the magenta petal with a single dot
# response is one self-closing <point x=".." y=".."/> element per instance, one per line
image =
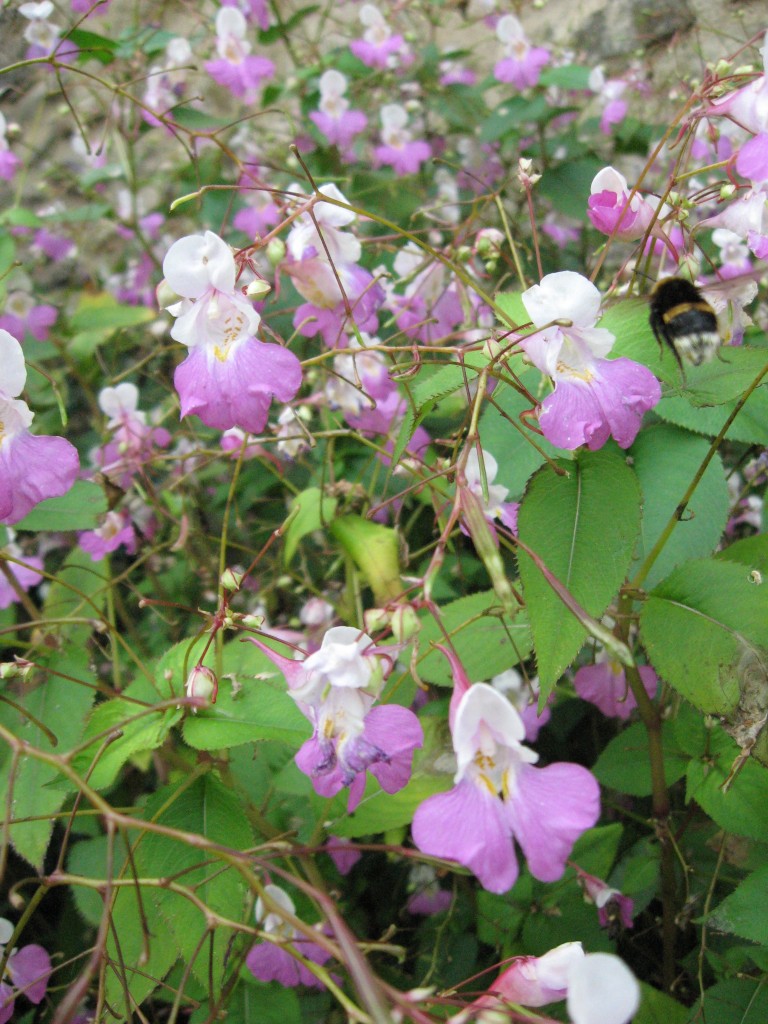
<point x="397" y="732"/>
<point x="468" y="825"/>
<point x="292" y="670"/>
<point x="30" y="968"/>
<point x="32" y="469"/>
<point x="237" y="391"/>
<point x="7" y="996"/>
<point x="548" y="811"/>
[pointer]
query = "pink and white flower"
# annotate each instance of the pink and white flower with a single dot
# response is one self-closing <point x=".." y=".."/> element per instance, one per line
<point x="400" y="150"/>
<point x="22" y="316"/>
<point x="612" y="211"/>
<point x="31" y="468"/>
<point x="499" y="797"/>
<point x="594" y="398"/>
<point x="522" y="63"/>
<point x="334" y="118"/>
<point x="380" y="47"/>
<point x="748" y="106"/>
<point x="115" y="531"/>
<point x="9" y="162"/>
<point x="237" y="69"/>
<point x="133" y="440"/>
<point x="336" y="688"/>
<point x="604" y="684"/>
<point x="26" y="973"/>
<point x="524" y="695"/>
<point x="229" y="378"/>
<point x="495" y="506"/>
<point x="599" y="987"/>
<point x="25" y="569"/>
<point x="270" y="960"/>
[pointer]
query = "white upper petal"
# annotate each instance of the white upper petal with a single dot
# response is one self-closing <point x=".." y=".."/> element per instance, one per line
<point x="554" y="967"/>
<point x="119" y="400"/>
<point x="197" y="262"/>
<point x="13" y="371"/>
<point x="609" y="180"/>
<point x="602" y="990"/>
<point x="565" y="295"/>
<point x="482" y="706"/>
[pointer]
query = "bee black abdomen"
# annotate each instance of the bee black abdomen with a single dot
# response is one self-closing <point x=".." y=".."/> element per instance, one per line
<point x="684" y="320"/>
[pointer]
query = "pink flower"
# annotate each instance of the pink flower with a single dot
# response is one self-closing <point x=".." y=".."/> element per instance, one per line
<point x="605" y="685"/>
<point x="594" y="398"/>
<point x="400" y="151"/>
<point x="31" y="468"/>
<point x="752" y="159"/>
<point x="26" y="574"/>
<point x="237" y="69"/>
<point x="523" y="63"/>
<point x="9" y="162"/>
<point x="334" y="119"/>
<point x="523" y="696"/>
<point x="336" y="688"/>
<point x="22" y="317"/>
<point x="133" y="441"/>
<point x="599" y="987"/>
<point x="229" y="378"/>
<point x="427" y="897"/>
<point x="611" y="905"/>
<point x="270" y="960"/>
<point x="748" y="106"/>
<point x="26" y="973"/>
<point x="612" y="212"/>
<point x="343" y="854"/>
<point x="379" y="47"/>
<point x="116" y="531"/>
<point x="499" y="797"/>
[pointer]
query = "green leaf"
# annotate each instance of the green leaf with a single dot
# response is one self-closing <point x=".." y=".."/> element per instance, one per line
<point x="511" y="115"/>
<point x="79" y="509"/>
<point x="570" y="76"/>
<point x="665" y="460"/>
<point x="379" y="811"/>
<point x="736" y="1001"/>
<point x="205" y="808"/>
<point x="485" y="642"/>
<point x="750" y="551"/>
<point x="743" y="912"/>
<point x="375" y="550"/>
<point x="137" y="728"/>
<point x="659" y="1008"/>
<point x="98" y="317"/>
<point x="7" y="256"/>
<point x="726" y="378"/>
<point x="699" y="624"/>
<point x="93" y="46"/>
<point x="741" y="808"/>
<point x="750" y="426"/>
<point x="584" y="527"/>
<point x="624" y="763"/>
<point x="311" y="511"/>
<point x="567" y="185"/>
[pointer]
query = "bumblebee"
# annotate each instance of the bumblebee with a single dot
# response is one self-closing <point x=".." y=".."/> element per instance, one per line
<point x="682" y="317"/>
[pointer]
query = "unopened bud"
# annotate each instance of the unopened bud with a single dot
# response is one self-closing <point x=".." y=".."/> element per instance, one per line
<point x="202" y="685"/>
<point x="276" y="251"/>
<point x="376" y="620"/>
<point x="405" y="623"/>
<point x="257" y="289"/>
<point x="727" y="191"/>
<point x="166" y="296"/>
<point x="525" y="174"/>
<point x="18" y="669"/>
<point x="231" y="580"/>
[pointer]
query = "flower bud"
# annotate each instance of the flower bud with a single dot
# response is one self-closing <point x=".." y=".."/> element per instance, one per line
<point x="405" y="623"/>
<point x="231" y="580"/>
<point x="202" y="685"/>
<point x="257" y="289"/>
<point x="276" y="251"/>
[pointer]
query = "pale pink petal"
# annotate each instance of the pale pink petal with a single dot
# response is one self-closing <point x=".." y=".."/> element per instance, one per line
<point x="468" y="825"/>
<point x="548" y="811"/>
<point x="397" y="732"/>
<point x="30" y="968"/>
<point x="32" y="469"/>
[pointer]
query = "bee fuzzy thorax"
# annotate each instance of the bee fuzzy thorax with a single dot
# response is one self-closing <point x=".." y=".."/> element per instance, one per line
<point x="682" y="318"/>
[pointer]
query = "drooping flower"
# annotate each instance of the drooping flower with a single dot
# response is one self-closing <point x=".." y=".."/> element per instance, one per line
<point x="31" y="468"/>
<point x="114" y="532"/>
<point x="612" y="906"/>
<point x="499" y="797"/>
<point x="336" y="688"/>
<point x="522" y="63"/>
<point x="430" y="307"/>
<point x="594" y="398"/>
<point x="599" y="987"/>
<point x="399" y="150"/>
<point x="612" y="211"/>
<point x="270" y="960"/>
<point x="26" y="973"/>
<point x="604" y="684"/>
<point x="229" y="378"/>
<point x="237" y="69"/>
